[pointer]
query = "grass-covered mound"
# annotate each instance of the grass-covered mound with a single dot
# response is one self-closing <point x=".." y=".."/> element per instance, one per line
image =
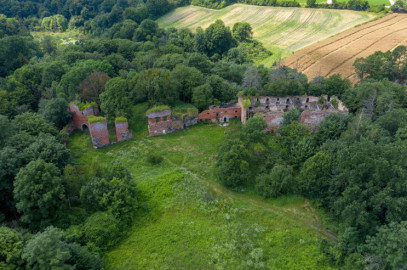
<point x="187" y="220"/>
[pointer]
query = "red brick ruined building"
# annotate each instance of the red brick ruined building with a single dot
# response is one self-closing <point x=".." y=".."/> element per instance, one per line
<point x="159" y="122"/>
<point x="314" y="109"/>
<point x="99" y="134"/>
<point x="164" y="122"/>
<point x="79" y="118"/>
<point x="88" y="120"/>
<point x="122" y="131"/>
<point x="222" y="113"/>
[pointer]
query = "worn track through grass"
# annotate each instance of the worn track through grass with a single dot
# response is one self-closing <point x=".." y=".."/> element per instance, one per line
<point x="308" y="218"/>
<point x="312" y="222"/>
<point x="337" y="54"/>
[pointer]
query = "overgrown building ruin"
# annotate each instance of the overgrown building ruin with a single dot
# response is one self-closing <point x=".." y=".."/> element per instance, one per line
<point x="165" y="121"/>
<point x="313" y="111"/>
<point x="86" y="117"/>
<point x="161" y="120"/>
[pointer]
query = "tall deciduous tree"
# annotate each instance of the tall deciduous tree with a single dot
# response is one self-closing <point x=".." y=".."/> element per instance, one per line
<point x="102" y="229"/>
<point x="155" y="86"/>
<point x="11" y="161"/>
<point x="278" y="182"/>
<point x="33" y="124"/>
<point x="315" y="174"/>
<point x="293" y="115"/>
<point x="185" y="79"/>
<point x="389" y="246"/>
<point x="39" y="192"/>
<point x="11" y="249"/>
<point x="252" y="78"/>
<point x="115" y="100"/>
<point x="232" y="167"/>
<point x="93" y="86"/>
<point x="202" y="96"/>
<point x="253" y="130"/>
<point x="55" y="111"/>
<point x="218" y="38"/>
<point x="332" y="127"/>
<point x="242" y="31"/>
<point x="370" y="187"/>
<point x="47" y="250"/>
<point x="49" y="149"/>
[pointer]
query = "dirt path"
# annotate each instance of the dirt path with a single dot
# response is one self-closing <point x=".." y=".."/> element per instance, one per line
<point x="337" y="54"/>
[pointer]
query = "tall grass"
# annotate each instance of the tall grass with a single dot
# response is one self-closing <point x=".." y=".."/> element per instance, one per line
<point x="187" y="220"/>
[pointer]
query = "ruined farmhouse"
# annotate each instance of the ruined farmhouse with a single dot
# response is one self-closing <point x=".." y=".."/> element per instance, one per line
<point x="313" y="111"/>
<point x="86" y="117"/>
<point x="162" y="120"/>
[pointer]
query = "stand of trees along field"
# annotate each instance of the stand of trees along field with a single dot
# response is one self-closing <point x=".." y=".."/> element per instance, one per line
<point x="55" y="215"/>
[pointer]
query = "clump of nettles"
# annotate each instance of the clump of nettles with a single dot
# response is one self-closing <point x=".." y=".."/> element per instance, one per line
<point x="154" y="159"/>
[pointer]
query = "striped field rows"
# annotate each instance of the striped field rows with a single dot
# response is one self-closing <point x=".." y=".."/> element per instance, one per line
<point x="337" y="54"/>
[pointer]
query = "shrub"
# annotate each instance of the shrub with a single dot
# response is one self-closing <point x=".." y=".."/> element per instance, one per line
<point x="154" y="158"/>
<point x="278" y="182"/>
<point x="158" y="108"/>
<point x="102" y="229"/>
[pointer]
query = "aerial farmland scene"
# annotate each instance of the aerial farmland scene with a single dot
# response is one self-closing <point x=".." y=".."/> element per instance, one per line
<point x="203" y="134"/>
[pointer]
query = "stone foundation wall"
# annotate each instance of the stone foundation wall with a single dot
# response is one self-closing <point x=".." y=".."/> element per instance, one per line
<point x="183" y="122"/>
<point x="122" y="131"/>
<point x="312" y="119"/>
<point x="99" y="134"/>
<point x="159" y="125"/>
<point x="314" y="109"/>
<point x="190" y="120"/>
<point x="274" y="120"/>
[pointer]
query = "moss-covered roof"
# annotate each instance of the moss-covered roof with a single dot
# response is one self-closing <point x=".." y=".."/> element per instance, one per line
<point x="158" y="108"/>
<point x="82" y="106"/>
<point x="95" y="119"/>
<point x="184" y="110"/>
<point x="120" y="119"/>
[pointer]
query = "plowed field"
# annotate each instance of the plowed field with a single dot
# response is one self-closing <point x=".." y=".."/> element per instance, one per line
<point x="337" y="54"/>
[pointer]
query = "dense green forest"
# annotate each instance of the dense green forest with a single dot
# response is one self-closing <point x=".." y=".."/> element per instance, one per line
<point x="56" y="215"/>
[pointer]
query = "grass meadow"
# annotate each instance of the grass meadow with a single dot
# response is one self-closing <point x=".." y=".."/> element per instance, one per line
<point x="187" y="220"/>
<point x="281" y="30"/>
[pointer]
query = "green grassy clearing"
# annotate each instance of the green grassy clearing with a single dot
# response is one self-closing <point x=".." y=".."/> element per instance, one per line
<point x="186" y="220"/>
<point x="281" y="30"/>
<point x="64" y="38"/>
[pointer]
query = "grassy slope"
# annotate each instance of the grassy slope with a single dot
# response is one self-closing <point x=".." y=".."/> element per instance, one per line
<point x="281" y="30"/>
<point x="188" y="221"/>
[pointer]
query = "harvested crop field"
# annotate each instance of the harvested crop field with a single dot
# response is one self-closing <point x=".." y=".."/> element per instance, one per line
<point x="337" y="54"/>
<point x="281" y="30"/>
